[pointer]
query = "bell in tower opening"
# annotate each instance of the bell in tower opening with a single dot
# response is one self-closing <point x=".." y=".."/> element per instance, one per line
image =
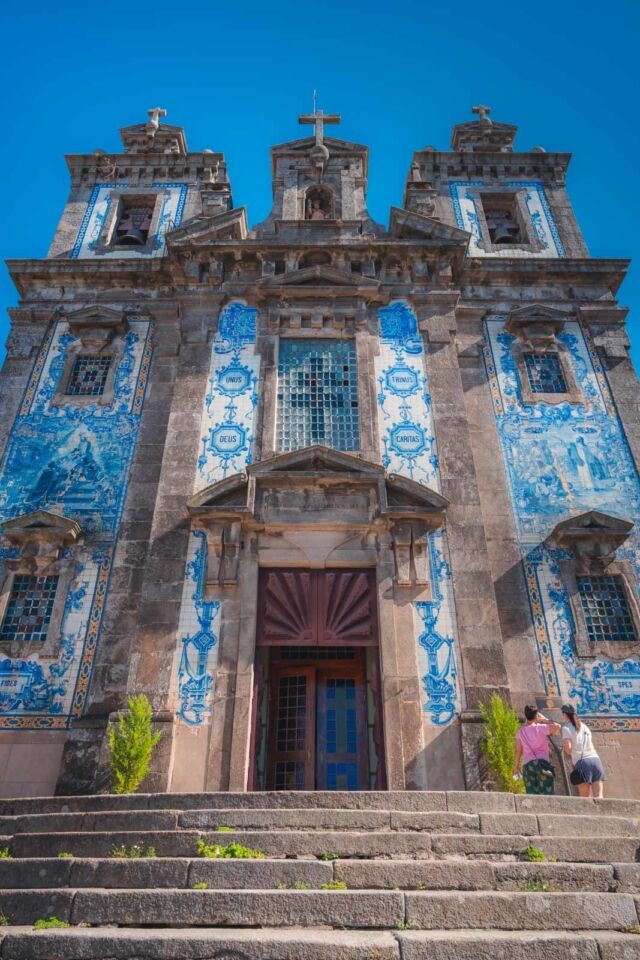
<point x="319" y="204"/>
<point x="134" y="223"/>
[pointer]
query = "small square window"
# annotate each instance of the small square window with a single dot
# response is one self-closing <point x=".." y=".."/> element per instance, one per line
<point x="544" y="372"/>
<point x="606" y="609"/>
<point x="88" y="376"/>
<point x="29" y="609"/>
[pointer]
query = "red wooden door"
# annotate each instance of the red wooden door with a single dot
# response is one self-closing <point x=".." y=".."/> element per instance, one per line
<point x="291" y="762"/>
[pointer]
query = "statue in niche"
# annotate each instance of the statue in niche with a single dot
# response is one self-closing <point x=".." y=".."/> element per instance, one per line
<point x="318" y="205"/>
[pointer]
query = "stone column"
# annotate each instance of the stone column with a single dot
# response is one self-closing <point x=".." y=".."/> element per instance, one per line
<point x="479" y="636"/>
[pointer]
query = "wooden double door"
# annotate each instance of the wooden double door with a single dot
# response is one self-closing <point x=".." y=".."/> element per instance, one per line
<point x="321" y="679"/>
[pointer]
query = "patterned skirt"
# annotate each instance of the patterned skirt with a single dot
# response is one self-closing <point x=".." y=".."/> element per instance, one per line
<point x="539" y="777"/>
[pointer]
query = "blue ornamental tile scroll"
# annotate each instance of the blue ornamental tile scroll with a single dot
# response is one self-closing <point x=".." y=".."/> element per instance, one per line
<point x="408" y="447"/>
<point x="227" y="432"/>
<point x="543" y="226"/>
<point x="228" y="421"/>
<point x="563" y="459"/>
<point x="71" y="460"/>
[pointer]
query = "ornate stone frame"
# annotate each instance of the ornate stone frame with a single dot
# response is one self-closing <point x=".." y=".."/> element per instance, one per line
<point x="104" y="244"/>
<point x="532" y="243"/>
<point x="99" y="331"/>
<point x="536" y="328"/>
<point x="41" y="539"/>
<point x="593" y="538"/>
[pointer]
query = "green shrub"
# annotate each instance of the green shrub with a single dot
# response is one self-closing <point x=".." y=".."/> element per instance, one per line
<point x="131" y="744"/>
<point x="329" y="856"/>
<point x="500" y="727"/>
<point x="63" y="855"/>
<point x="533" y="854"/>
<point x="4" y="922"/>
<point x="334" y="885"/>
<point x="223" y="829"/>
<point x="634" y="929"/>
<point x="233" y="851"/>
<point x="4" y="853"/>
<point x="201" y="885"/>
<point x="49" y="923"/>
<point x="132" y="853"/>
<point x="300" y="885"/>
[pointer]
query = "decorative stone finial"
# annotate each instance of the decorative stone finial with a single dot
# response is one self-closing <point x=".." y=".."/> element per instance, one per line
<point x="154" y="118"/>
<point x="483" y="112"/>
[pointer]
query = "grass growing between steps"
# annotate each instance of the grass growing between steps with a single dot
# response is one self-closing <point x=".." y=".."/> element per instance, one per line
<point x="232" y="851"/>
<point x="49" y="923"/>
<point x="534" y="855"/>
<point x="4" y="853"/>
<point x="536" y="885"/>
<point x="132" y="853"/>
<point x="334" y="885"/>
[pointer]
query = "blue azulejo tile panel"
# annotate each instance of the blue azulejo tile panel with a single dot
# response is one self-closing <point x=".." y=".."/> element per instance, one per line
<point x="173" y="198"/>
<point x="543" y="227"/>
<point x="228" y="419"/>
<point x="74" y="461"/>
<point x="197" y="638"/>
<point x="564" y="459"/>
<point x="404" y="405"/>
<point x="408" y="447"/>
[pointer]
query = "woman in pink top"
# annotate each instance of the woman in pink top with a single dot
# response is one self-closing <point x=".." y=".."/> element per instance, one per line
<point x="532" y="752"/>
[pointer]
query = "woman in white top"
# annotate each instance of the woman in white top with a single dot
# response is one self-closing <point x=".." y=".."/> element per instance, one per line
<point x="588" y="773"/>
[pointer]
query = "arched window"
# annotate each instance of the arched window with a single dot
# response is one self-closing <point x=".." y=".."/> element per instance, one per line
<point x="318" y="204"/>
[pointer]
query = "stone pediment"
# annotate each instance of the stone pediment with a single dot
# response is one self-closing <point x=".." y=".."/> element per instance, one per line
<point x="388" y="496"/>
<point x="321" y="275"/>
<point x="410" y="225"/>
<point x="592" y="534"/>
<point x="536" y="318"/>
<point x="229" y="225"/>
<point x="41" y="525"/>
<point x="96" y="322"/>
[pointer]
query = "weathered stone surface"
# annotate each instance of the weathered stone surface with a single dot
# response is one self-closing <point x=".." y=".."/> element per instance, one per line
<point x="485" y="802"/>
<point x="595" y="878"/>
<point x="169" y="843"/>
<point x="353" y="908"/>
<point x="589" y="850"/>
<point x="144" y="873"/>
<point x="434" y="822"/>
<point x="497" y="945"/>
<point x="27" y="906"/>
<point x="288" y="819"/>
<point x="197" y="944"/>
<point x="475" y="845"/>
<point x="614" y="947"/>
<point x="627" y="877"/>
<point x="416" y="874"/>
<point x="508" y="823"/>
<point x="554" y="825"/>
<point x="521" y="911"/>
<point x="259" y="874"/>
<point x="34" y="873"/>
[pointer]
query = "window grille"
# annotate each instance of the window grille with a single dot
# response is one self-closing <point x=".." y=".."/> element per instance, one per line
<point x="544" y="372"/>
<point x="88" y="376"/>
<point x="317" y="395"/>
<point x="29" y="609"/>
<point x="606" y="609"/>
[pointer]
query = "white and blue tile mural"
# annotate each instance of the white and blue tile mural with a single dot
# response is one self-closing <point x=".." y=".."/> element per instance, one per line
<point x="227" y="432"/>
<point x="543" y="227"/>
<point x="564" y="459"/>
<point x="408" y="447"/>
<point x="99" y="205"/>
<point x="74" y="461"/>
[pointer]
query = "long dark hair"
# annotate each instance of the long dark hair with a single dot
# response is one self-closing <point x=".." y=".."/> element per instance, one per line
<point x="571" y="715"/>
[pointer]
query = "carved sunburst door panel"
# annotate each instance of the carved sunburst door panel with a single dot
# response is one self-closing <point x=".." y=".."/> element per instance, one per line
<point x="287" y="610"/>
<point x="347" y="609"/>
<point x="317" y="607"/>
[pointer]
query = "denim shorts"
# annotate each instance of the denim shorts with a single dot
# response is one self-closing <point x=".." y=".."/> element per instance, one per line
<point x="590" y="770"/>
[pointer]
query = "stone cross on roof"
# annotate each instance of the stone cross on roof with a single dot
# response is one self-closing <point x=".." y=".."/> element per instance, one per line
<point x="154" y="114"/>
<point x="483" y="112"/>
<point x="318" y="118"/>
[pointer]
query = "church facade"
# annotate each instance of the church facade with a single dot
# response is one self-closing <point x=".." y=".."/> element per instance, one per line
<point x="317" y="487"/>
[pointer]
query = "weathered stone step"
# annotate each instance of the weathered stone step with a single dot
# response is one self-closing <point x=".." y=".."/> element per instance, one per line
<point x="357" y="909"/>
<point x="198" y="944"/>
<point x="504" y="945"/>
<point x="168" y="872"/>
<point x="319" y="843"/>
<point x="415" y="800"/>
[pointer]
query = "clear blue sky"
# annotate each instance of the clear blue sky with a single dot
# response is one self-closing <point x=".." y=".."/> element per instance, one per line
<point x="236" y="75"/>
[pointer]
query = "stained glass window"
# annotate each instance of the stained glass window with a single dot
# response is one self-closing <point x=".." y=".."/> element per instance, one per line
<point x="317" y="395"/>
<point x="544" y="371"/>
<point x="29" y="608"/>
<point x="606" y="609"/>
<point x="88" y="376"/>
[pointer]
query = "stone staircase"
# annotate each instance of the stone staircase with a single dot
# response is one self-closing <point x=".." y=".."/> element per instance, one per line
<point x="420" y="876"/>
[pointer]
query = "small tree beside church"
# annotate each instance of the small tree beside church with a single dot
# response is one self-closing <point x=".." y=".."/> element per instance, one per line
<point x="131" y="745"/>
<point x="500" y="727"/>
